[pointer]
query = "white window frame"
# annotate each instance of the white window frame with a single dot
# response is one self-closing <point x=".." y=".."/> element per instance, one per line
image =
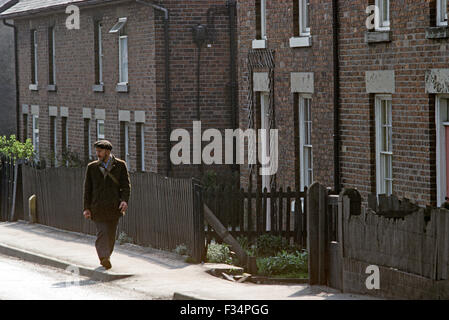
<point x="304" y="14"/>
<point x="66" y="134"/>
<point x="381" y="179"/>
<point x="440" y="121"/>
<point x="99" y="135"/>
<point x="100" y="52"/>
<point x="89" y="139"/>
<point x="384" y="22"/>
<point x="123" y="54"/>
<point x="36" y="74"/>
<point x="263" y="19"/>
<point x="127" y="143"/>
<point x="442" y="14"/>
<point x="305" y="171"/>
<point x="53" y="53"/>
<point x="55" y="139"/>
<point x="36" y="134"/>
<point x="142" y="138"/>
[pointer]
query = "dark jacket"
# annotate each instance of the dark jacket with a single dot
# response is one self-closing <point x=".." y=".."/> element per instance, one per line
<point x="102" y="196"/>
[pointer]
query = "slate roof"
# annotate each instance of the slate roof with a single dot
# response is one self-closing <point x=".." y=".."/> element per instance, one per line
<point x="6" y="4"/>
<point x="27" y="7"/>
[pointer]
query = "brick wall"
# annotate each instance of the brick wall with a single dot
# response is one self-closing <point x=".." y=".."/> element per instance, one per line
<point x="410" y="55"/>
<point x="75" y="77"/>
<point x="7" y="82"/>
<point x="317" y="59"/>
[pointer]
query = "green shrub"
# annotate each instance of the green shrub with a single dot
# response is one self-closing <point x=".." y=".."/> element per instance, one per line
<point x="181" y="250"/>
<point x="219" y="253"/>
<point x="269" y="245"/>
<point x="283" y="263"/>
<point x="15" y="149"/>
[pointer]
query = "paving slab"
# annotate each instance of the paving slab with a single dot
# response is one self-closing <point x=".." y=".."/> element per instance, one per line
<point x="160" y="274"/>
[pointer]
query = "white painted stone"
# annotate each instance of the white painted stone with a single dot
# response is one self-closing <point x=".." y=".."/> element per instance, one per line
<point x="124" y="116"/>
<point x="100" y="114"/>
<point x="437" y="81"/>
<point x="53" y="111"/>
<point x="139" y="116"/>
<point x="261" y="82"/>
<point x="35" y="110"/>
<point x="87" y="114"/>
<point x="64" y="112"/>
<point x="380" y="81"/>
<point x="25" y="109"/>
<point x="302" y="82"/>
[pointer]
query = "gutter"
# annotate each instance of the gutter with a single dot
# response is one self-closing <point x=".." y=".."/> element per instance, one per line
<point x="61" y="7"/>
<point x="337" y="137"/>
<point x="168" y="101"/>
<point x="16" y="66"/>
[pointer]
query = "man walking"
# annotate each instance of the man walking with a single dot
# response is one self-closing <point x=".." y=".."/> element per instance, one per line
<point x="106" y="194"/>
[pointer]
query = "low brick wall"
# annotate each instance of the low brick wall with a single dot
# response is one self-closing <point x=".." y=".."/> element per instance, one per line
<point x="394" y="284"/>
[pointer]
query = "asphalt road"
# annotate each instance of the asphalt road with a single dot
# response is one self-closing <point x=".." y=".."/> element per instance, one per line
<point x="21" y="280"/>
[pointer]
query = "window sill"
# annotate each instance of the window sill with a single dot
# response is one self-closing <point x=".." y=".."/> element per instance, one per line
<point x="51" y="88"/>
<point x="301" y="42"/>
<point x="122" y="87"/>
<point x="441" y="32"/>
<point x="33" y="87"/>
<point x="98" y="88"/>
<point x="377" y="36"/>
<point x="259" y="44"/>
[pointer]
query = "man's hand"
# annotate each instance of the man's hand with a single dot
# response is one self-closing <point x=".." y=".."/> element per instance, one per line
<point x="87" y="214"/>
<point x="123" y="207"/>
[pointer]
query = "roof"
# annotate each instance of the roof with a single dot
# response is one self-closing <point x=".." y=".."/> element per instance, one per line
<point x="6" y="4"/>
<point x="28" y="7"/>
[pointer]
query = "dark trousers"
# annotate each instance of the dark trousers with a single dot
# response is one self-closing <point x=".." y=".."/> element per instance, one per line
<point x="106" y="234"/>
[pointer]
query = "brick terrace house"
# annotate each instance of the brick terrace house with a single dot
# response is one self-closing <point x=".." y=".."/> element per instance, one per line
<point x="382" y="125"/>
<point x="107" y="79"/>
<point x="286" y="81"/>
<point x="8" y="123"/>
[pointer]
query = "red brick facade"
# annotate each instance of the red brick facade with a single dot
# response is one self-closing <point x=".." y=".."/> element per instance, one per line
<point x="75" y="76"/>
<point x="409" y="54"/>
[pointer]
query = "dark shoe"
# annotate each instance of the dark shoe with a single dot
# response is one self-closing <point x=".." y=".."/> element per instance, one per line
<point x="106" y="263"/>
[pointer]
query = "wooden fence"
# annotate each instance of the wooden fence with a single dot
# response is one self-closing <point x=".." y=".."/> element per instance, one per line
<point x="251" y="214"/>
<point x="8" y="189"/>
<point x="163" y="212"/>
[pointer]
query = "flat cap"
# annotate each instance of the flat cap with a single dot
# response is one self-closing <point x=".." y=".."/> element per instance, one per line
<point x="103" y="144"/>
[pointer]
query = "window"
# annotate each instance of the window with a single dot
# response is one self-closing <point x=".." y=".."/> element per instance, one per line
<point x="305" y="141"/>
<point x="384" y="145"/>
<point x="25" y="127"/>
<point x="261" y="19"/>
<point x="51" y="56"/>
<point x="100" y="130"/>
<point x="442" y="13"/>
<point x="120" y="28"/>
<point x="384" y="15"/>
<point x="442" y="159"/>
<point x="304" y="18"/>
<point x="98" y="52"/>
<point x="65" y="138"/>
<point x="124" y="134"/>
<point x="34" y="57"/>
<point x="36" y="134"/>
<point x="140" y="145"/>
<point x="53" y="141"/>
<point x="87" y="140"/>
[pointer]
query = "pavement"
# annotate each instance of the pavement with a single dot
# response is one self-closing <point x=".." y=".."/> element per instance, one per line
<point x="158" y="274"/>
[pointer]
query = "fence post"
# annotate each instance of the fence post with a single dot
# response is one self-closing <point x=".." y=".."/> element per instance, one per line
<point x="317" y="235"/>
<point x="199" y="247"/>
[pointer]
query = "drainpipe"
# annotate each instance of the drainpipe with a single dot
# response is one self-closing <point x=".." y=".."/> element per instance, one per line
<point x="16" y="55"/>
<point x="166" y="13"/>
<point x="337" y="138"/>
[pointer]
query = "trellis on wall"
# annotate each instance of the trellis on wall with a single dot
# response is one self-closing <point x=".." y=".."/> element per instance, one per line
<point x="260" y="59"/>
